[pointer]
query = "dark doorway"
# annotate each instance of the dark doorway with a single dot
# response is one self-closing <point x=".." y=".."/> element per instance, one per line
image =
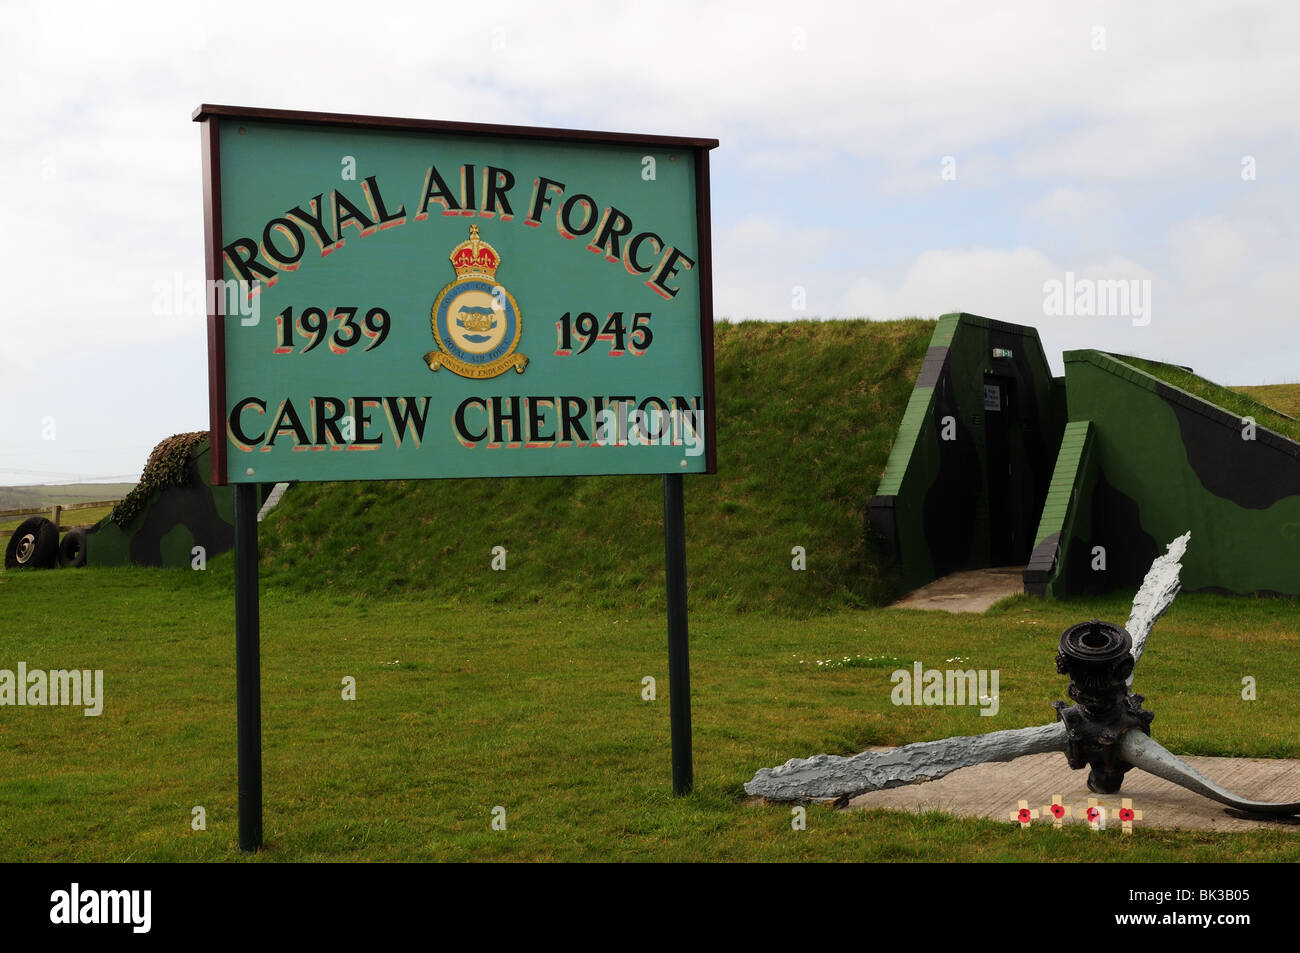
<point x="1001" y="428"/>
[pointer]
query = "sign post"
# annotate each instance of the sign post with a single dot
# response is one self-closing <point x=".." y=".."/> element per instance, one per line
<point x="408" y="299"/>
<point x="248" y="668"/>
<point x="679" y="662"/>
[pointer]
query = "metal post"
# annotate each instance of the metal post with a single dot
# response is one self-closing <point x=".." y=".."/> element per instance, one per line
<point x="679" y="663"/>
<point x="248" y="668"/>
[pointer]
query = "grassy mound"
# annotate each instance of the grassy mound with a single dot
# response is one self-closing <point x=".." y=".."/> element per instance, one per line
<point x="807" y="412"/>
<point x="1230" y="399"/>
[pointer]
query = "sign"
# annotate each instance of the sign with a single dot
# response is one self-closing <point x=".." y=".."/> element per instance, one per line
<point x="539" y="304"/>
<point x="402" y="299"/>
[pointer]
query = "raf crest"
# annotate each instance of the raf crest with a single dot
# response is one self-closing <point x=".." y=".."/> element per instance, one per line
<point x="476" y="321"/>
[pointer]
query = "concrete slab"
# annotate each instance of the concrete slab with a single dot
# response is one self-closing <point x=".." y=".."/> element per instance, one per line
<point x="993" y="791"/>
<point x="971" y="591"/>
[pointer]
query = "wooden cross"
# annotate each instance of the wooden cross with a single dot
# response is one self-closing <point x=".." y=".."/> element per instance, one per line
<point x="1058" y="810"/>
<point x="1127" y="815"/>
<point x="1023" y="814"/>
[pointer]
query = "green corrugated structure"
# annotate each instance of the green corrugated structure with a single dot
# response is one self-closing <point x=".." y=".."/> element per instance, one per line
<point x="1133" y="462"/>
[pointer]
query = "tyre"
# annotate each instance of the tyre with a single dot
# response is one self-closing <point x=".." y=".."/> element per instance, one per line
<point x="34" y="545"/>
<point x="72" y="551"/>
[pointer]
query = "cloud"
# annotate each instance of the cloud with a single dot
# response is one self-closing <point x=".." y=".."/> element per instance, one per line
<point x="1209" y="252"/>
<point x="1069" y="206"/>
<point x="1005" y="284"/>
<point x="1123" y="156"/>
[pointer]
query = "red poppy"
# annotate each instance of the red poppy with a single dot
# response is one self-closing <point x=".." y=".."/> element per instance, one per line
<point x="1058" y="811"/>
<point x="1125" y="814"/>
<point x="1093" y="813"/>
<point x="1023" y="816"/>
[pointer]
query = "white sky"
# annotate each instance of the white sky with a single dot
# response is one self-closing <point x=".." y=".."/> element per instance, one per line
<point x="1107" y="140"/>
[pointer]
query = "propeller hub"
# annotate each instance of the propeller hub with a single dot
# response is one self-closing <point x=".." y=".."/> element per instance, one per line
<point x="1098" y="658"/>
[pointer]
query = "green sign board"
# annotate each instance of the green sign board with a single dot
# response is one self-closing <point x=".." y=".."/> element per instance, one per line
<point x="397" y="299"/>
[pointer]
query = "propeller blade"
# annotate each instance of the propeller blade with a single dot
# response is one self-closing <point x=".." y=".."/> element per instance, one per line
<point x="1158" y="590"/>
<point x="1144" y="752"/>
<point x="832" y="776"/>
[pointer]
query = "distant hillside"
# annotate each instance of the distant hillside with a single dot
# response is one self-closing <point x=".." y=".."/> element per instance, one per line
<point x="1283" y="397"/>
<point x="15" y="497"/>
<point x="807" y="411"/>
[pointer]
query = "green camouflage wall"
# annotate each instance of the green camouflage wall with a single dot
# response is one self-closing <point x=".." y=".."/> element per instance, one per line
<point x="1068" y="514"/>
<point x="931" y="510"/>
<point x="1165" y="462"/>
<point x="169" y="526"/>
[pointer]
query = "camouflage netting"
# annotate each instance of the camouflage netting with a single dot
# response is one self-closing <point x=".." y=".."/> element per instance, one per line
<point x="168" y="465"/>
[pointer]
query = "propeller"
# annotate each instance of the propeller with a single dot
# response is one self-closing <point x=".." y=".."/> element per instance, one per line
<point x="1106" y="728"/>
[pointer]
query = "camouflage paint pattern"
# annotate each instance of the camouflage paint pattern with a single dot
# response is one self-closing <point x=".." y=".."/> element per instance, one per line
<point x="1164" y="462"/>
<point x="172" y="522"/>
<point x="932" y="510"/>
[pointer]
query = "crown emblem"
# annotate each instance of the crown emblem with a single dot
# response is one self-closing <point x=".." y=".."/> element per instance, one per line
<point x="475" y="257"/>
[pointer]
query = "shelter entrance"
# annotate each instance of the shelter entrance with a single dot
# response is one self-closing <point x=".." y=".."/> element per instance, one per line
<point x="1001" y="433"/>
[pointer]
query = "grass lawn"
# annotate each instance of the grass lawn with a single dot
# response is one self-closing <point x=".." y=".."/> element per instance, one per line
<point x="539" y="710"/>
